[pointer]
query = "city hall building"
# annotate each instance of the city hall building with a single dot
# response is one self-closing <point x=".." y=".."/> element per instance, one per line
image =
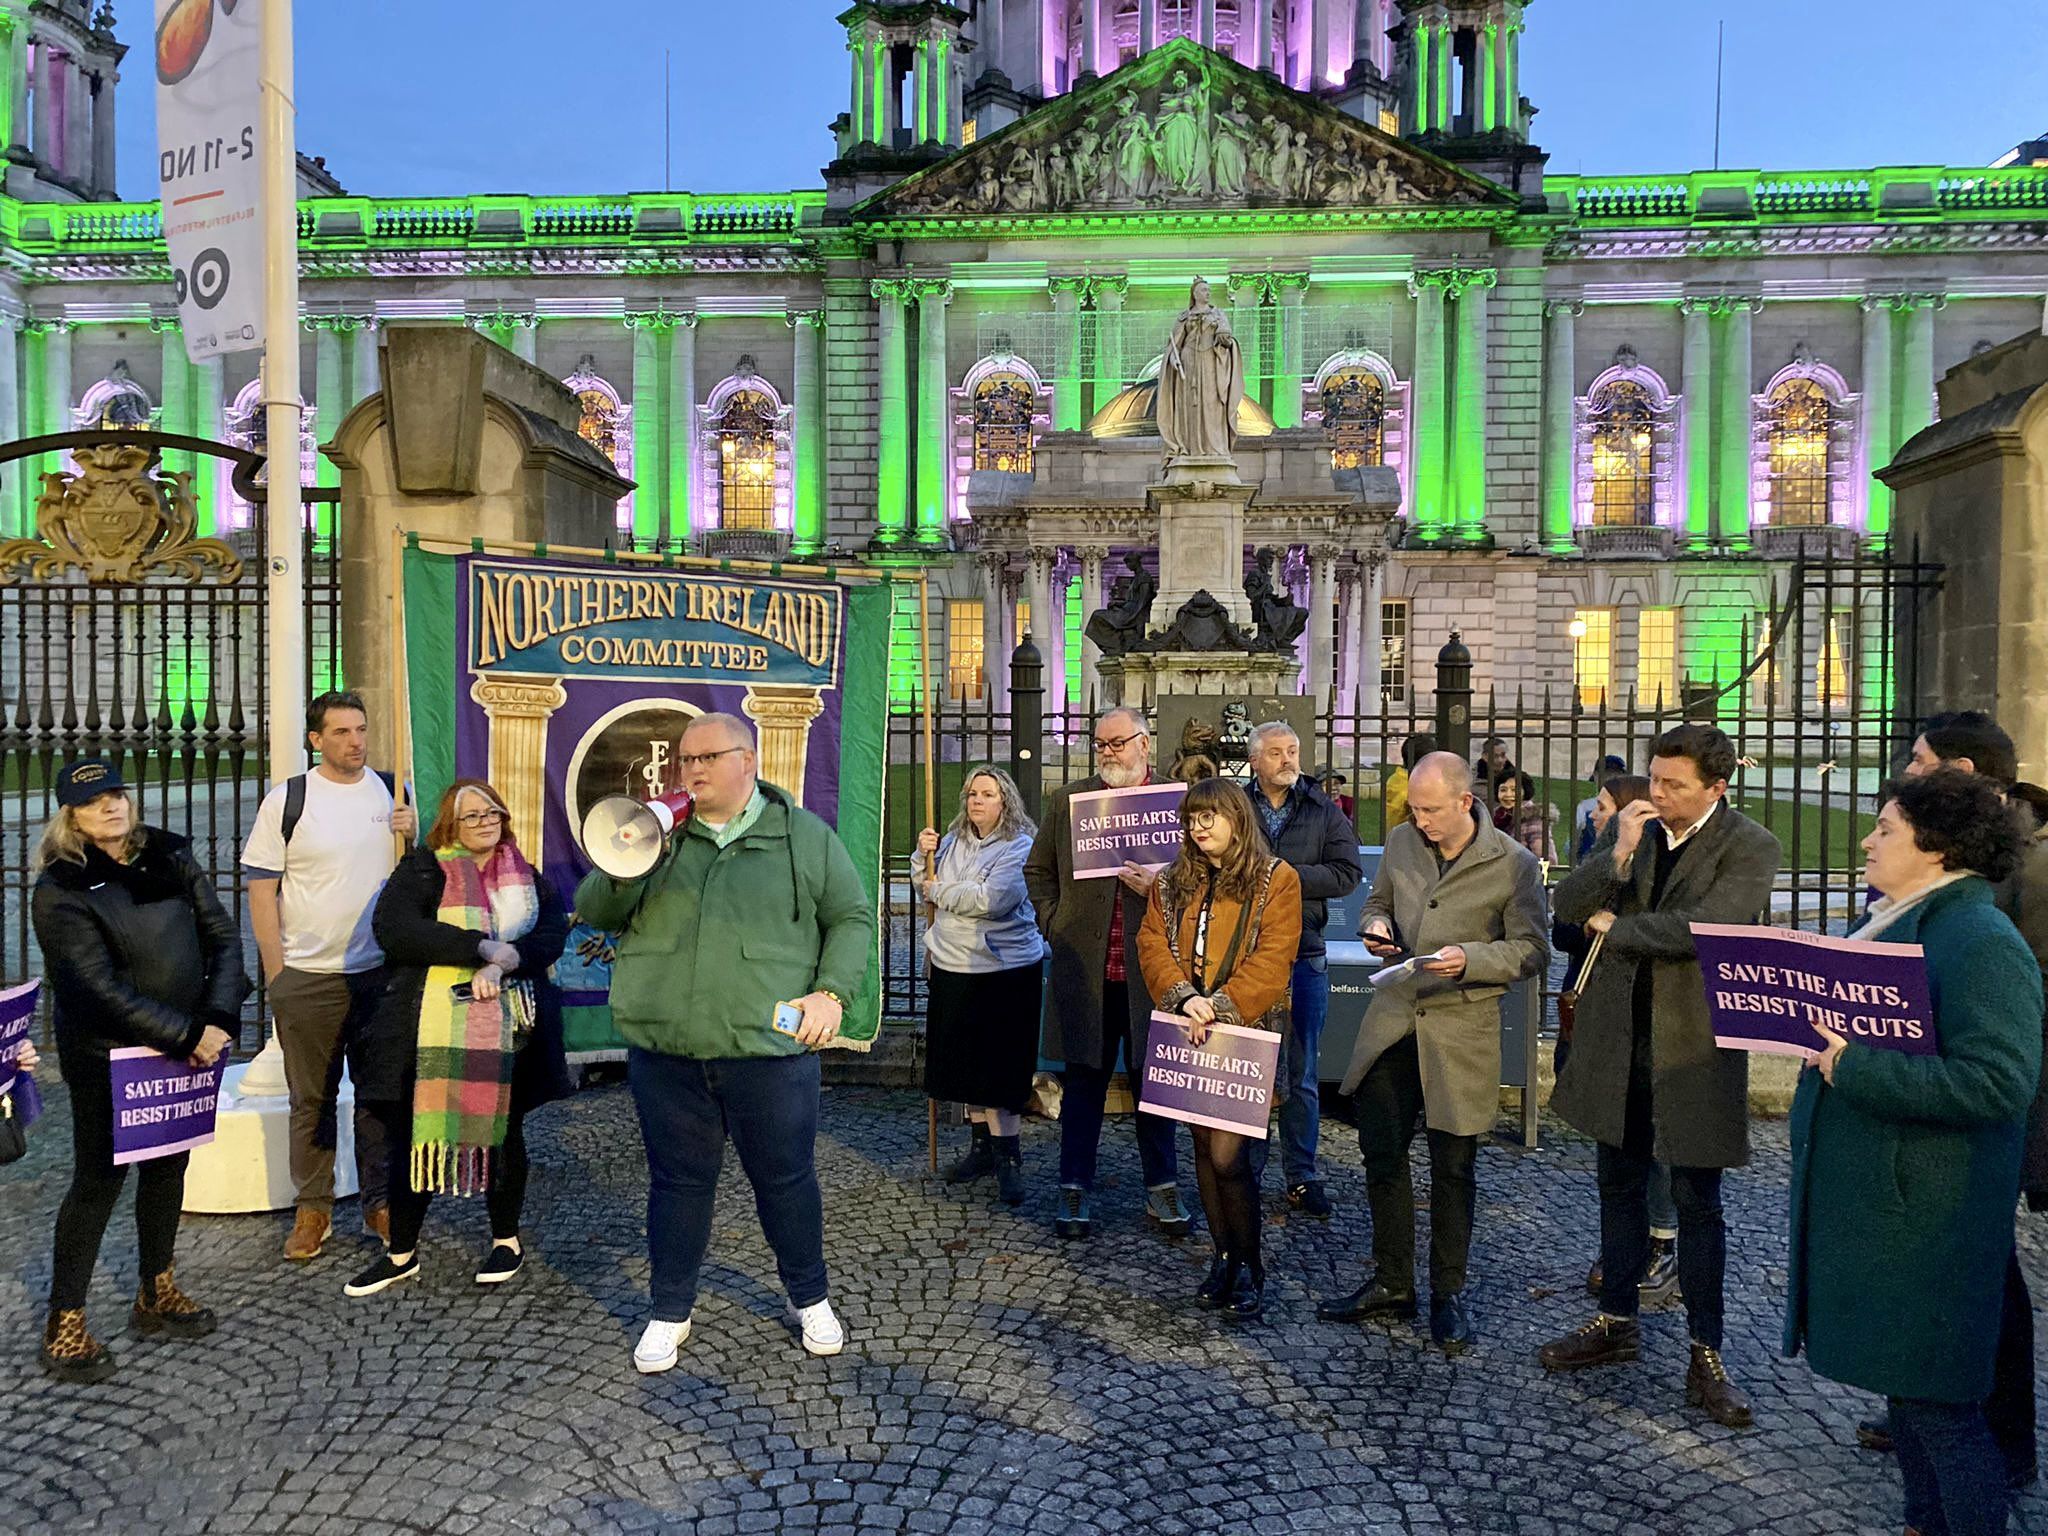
<point x="1585" y="420"/>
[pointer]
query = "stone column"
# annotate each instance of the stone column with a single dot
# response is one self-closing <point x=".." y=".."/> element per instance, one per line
<point x="892" y="467"/>
<point x="1693" y="517"/>
<point x="1091" y="599"/>
<point x="1426" y="407"/>
<point x="14" y="523"/>
<point x="525" y="337"/>
<point x="175" y="395"/>
<point x="1372" y="637"/>
<point x="1736" y="423"/>
<point x="650" y="392"/>
<point x="1246" y="293"/>
<point x="46" y="151"/>
<point x="1038" y="594"/>
<point x="1148" y="25"/>
<point x="783" y="714"/>
<point x="518" y="708"/>
<point x="1878" y="439"/>
<point x="995" y="655"/>
<point x="1205" y="23"/>
<point x="1262" y="38"/>
<point x="686" y="512"/>
<point x="1916" y="365"/>
<point x="1344" y="665"/>
<point x="1066" y="382"/>
<point x="18" y="130"/>
<point x="859" y="111"/>
<point x="887" y="100"/>
<point x="809" y="436"/>
<point x="1364" y="45"/>
<point x="77" y="125"/>
<point x="103" y="133"/>
<point x="209" y="405"/>
<point x="1290" y="288"/>
<point x="1560" y="392"/>
<point x="57" y="376"/>
<point x="920" y="90"/>
<point x="1322" y="624"/>
<point x="1319" y="44"/>
<point x="1109" y="339"/>
<point x="328" y="405"/>
<point x="934" y="406"/>
<point x="364" y="378"/>
<point x="1467" y="444"/>
<point x="1091" y="39"/>
<point x="1502" y="83"/>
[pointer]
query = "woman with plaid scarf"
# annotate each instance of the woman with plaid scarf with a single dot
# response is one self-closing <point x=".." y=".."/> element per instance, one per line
<point x="468" y="1038"/>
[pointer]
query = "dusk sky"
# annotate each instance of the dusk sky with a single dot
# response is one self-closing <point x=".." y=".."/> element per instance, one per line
<point x="405" y="97"/>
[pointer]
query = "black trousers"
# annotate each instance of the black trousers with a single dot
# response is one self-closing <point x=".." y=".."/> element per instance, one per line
<point x="1389" y="1107"/>
<point x="2010" y="1407"/>
<point x="96" y="1185"/>
<point x="504" y="1200"/>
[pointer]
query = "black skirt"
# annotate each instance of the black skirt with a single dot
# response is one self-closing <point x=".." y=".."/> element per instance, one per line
<point x="981" y="1036"/>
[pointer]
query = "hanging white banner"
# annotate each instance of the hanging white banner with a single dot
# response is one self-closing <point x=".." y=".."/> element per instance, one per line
<point x="209" y="172"/>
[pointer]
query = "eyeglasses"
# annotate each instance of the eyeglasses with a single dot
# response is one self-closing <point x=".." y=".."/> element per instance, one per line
<point x="1201" y="821"/>
<point x="705" y="759"/>
<point x="1116" y="744"/>
<point x="481" y="818"/>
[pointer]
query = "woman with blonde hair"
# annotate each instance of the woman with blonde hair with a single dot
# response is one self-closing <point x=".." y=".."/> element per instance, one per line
<point x="137" y="950"/>
<point x="1217" y="946"/>
<point x="983" y="951"/>
<point x="468" y="1038"/>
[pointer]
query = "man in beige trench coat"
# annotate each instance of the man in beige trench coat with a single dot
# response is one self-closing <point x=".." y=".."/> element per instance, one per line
<point x="1453" y="886"/>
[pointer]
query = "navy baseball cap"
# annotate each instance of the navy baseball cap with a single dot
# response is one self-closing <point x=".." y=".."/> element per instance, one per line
<point x="83" y="782"/>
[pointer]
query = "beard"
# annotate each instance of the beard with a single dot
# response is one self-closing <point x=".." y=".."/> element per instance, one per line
<point x="1286" y="778"/>
<point x="1116" y="776"/>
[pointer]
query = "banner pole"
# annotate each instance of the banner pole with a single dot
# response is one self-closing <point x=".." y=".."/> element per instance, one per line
<point x="622" y="558"/>
<point x="284" y="505"/>
<point x="401" y="684"/>
<point x="931" y="811"/>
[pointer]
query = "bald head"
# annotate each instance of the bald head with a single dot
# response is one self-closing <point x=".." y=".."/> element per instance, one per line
<point x="1444" y="772"/>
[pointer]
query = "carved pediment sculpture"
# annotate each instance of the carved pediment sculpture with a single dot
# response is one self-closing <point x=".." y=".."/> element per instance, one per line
<point x="1182" y="127"/>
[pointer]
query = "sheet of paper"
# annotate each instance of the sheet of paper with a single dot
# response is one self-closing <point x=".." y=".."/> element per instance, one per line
<point x="1401" y="970"/>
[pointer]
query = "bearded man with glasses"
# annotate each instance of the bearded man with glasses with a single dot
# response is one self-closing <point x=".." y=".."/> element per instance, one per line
<point x="1097" y="1002"/>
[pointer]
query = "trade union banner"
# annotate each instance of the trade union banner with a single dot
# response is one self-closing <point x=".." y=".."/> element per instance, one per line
<point x="1768" y="987"/>
<point x="563" y="681"/>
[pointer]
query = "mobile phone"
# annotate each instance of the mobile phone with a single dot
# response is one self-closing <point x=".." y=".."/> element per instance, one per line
<point x="463" y="993"/>
<point x="788" y="1018"/>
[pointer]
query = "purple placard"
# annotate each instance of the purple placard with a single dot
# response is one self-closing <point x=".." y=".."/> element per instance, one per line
<point x="1768" y="987"/>
<point x="1113" y="827"/>
<point x="1226" y="1083"/>
<point x="161" y="1105"/>
<point x="17" y="1014"/>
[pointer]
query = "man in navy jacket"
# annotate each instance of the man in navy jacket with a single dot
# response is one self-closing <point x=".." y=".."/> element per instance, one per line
<point x="1307" y="829"/>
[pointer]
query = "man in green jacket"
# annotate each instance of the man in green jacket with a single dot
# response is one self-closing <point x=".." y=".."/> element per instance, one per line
<point x="755" y="905"/>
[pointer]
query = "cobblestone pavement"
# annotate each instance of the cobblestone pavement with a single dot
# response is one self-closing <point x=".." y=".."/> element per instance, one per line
<point x="995" y="1380"/>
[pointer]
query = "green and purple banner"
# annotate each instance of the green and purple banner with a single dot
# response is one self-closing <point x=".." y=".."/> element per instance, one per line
<point x="1768" y="987"/>
<point x="563" y="681"/>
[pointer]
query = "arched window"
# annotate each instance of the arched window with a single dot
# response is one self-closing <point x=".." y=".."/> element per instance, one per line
<point x="1002" y="406"/>
<point x="1624" y="482"/>
<point x="606" y="423"/>
<point x="1354" y="417"/>
<point x="1799" y="421"/>
<point x="115" y="404"/>
<point x="744" y="434"/>
<point x="247" y="426"/>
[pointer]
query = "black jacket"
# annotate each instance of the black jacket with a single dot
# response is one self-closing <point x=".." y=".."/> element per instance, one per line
<point x="413" y="937"/>
<point x="1318" y="840"/>
<point x="137" y="954"/>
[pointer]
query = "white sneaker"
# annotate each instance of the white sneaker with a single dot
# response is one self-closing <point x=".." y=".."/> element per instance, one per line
<point x="823" y="1334"/>
<point x="656" y="1350"/>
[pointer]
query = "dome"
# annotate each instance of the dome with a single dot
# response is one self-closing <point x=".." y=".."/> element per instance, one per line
<point x="1135" y="413"/>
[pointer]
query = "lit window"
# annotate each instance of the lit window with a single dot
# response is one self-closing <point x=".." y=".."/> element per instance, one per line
<point x="1390" y="122"/>
<point x="970" y="130"/>
<point x="598" y="422"/>
<point x="1355" y="418"/>
<point x="1394" y="650"/>
<point x="1836" y="672"/>
<point x="964" y="654"/>
<point x="1657" y="658"/>
<point x="1798" y="422"/>
<point x="1593" y="655"/>
<point x="1624" y="484"/>
<point x="1003" y="403"/>
<point x="746" y="457"/>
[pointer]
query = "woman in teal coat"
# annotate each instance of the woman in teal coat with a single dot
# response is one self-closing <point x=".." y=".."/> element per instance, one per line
<point x="1905" y="1169"/>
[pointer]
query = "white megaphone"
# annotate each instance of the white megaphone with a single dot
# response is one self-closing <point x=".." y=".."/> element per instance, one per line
<point x="625" y="837"/>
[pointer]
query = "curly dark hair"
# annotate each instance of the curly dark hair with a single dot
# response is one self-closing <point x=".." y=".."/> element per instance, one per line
<point x="1712" y="753"/>
<point x="1964" y="818"/>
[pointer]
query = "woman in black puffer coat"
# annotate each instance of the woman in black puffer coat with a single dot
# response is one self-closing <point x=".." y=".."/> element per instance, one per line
<point x="137" y="950"/>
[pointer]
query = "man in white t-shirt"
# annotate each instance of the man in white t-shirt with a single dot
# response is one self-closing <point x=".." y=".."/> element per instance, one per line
<point x="318" y="855"/>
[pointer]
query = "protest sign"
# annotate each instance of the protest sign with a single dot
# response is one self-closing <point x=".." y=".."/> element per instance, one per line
<point x="161" y="1105"/>
<point x="1139" y="825"/>
<point x="1226" y="1083"/>
<point x="1768" y="987"/>
<point x="17" y="1014"/>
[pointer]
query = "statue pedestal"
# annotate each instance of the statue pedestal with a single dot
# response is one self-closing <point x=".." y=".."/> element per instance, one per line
<point x="1142" y="678"/>
<point x="1200" y="506"/>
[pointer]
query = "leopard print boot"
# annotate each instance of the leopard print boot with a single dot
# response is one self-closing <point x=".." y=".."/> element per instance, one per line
<point x="160" y="1307"/>
<point x="69" y="1353"/>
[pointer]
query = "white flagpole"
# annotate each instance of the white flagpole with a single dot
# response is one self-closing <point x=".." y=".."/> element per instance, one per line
<point x="285" y="515"/>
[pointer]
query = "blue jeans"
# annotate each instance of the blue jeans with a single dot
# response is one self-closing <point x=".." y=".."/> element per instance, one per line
<point x="1952" y="1469"/>
<point x="769" y="1106"/>
<point x="1300" y="1066"/>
